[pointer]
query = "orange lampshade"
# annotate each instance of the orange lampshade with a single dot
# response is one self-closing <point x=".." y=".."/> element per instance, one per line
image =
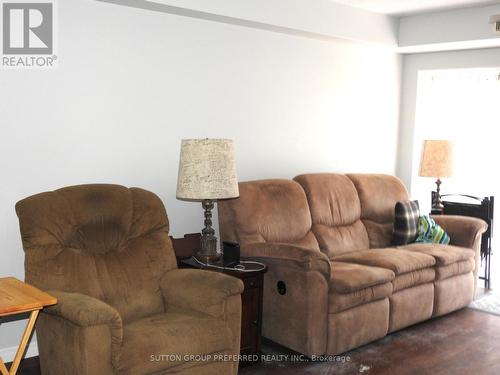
<point x="437" y="159"/>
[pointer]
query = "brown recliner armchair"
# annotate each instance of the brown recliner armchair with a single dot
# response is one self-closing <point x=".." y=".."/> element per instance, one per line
<point x="124" y="307"/>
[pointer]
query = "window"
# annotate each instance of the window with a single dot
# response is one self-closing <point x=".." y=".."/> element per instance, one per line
<point x="462" y="105"/>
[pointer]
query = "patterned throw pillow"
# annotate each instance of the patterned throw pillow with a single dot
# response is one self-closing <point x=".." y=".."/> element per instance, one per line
<point x="406" y="216"/>
<point x="430" y="232"/>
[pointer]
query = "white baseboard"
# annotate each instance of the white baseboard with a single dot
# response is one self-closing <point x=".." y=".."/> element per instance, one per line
<point x="8" y="354"/>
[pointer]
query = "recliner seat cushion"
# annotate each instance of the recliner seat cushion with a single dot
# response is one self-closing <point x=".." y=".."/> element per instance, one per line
<point x="444" y="254"/>
<point x="450" y="260"/>
<point x="400" y="261"/>
<point x="455" y="269"/>
<point x="413" y="278"/>
<point x="352" y="285"/>
<point x="350" y="277"/>
<point x="172" y="334"/>
<point x="338" y="302"/>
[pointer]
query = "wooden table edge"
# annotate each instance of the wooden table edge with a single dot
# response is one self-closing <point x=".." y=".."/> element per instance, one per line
<point x="29" y="309"/>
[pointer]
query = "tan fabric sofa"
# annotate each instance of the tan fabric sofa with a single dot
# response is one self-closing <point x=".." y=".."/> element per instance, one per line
<point x="327" y="237"/>
<point x="124" y="307"/>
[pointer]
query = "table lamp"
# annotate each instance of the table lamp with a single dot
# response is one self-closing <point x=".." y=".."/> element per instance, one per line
<point x="437" y="161"/>
<point x="207" y="172"/>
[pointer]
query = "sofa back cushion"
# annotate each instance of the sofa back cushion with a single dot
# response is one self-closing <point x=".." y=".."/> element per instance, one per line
<point x="336" y="213"/>
<point x="267" y="211"/>
<point x="378" y="195"/>
<point x="105" y="241"/>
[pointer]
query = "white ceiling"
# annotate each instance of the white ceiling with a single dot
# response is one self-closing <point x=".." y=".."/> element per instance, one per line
<point x="406" y="7"/>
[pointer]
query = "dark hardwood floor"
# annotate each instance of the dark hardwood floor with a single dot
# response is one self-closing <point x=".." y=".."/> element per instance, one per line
<point x="28" y="366"/>
<point x="462" y="343"/>
<point x="466" y="342"/>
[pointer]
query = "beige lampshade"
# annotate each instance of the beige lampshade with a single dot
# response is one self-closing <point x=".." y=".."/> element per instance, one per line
<point x="207" y="170"/>
<point x="437" y="159"/>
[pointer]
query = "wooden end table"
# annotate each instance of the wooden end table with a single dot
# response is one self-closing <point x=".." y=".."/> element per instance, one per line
<point x="17" y="297"/>
<point x="251" y="305"/>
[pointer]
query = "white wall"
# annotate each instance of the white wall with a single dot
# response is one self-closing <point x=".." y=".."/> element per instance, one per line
<point x="319" y="17"/>
<point x="131" y="83"/>
<point x="412" y="65"/>
<point x="459" y="28"/>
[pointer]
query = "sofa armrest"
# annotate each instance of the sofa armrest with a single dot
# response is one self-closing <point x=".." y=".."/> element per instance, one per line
<point x="464" y="231"/>
<point x="298" y="256"/>
<point x="199" y="290"/>
<point x="296" y="291"/>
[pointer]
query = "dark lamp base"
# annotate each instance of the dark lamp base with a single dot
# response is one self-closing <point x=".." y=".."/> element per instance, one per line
<point x="207" y="258"/>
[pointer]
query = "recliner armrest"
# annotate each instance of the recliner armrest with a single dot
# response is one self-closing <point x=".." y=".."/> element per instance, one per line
<point x="83" y="310"/>
<point x="199" y="290"/>
<point x="464" y="231"/>
<point x="302" y="257"/>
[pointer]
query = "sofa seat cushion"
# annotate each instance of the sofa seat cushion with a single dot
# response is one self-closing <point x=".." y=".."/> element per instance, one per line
<point x="398" y="260"/>
<point x="170" y="334"/>
<point x="413" y="278"/>
<point x="350" y="277"/>
<point x="454" y="269"/>
<point x="338" y="302"/>
<point x="444" y="254"/>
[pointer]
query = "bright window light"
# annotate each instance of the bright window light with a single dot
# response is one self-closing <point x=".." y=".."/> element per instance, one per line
<point x="462" y="105"/>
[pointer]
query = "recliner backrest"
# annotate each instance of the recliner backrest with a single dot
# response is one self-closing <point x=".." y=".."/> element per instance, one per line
<point x="335" y="211"/>
<point x="267" y="211"/>
<point x="105" y="241"/>
<point x="378" y="195"/>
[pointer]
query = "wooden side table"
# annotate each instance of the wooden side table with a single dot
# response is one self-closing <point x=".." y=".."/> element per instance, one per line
<point x="17" y="297"/>
<point x="251" y="305"/>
